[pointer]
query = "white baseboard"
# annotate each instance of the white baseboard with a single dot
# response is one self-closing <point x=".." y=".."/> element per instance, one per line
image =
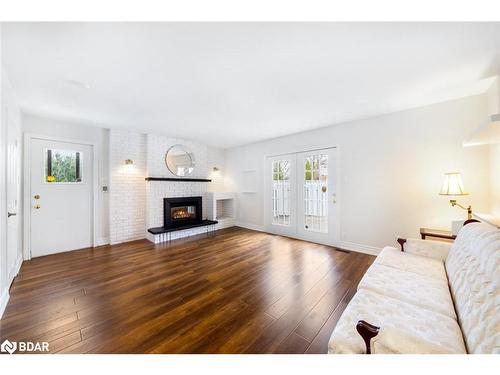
<point x="102" y="241"/>
<point x="256" y="227"/>
<point x="4" y="298"/>
<point x="15" y="269"/>
<point x="359" y="248"/>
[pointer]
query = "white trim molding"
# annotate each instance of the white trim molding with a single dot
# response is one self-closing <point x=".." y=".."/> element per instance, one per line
<point x="101" y="241"/>
<point x="4" y="299"/>
<point x="359" y="248"/>
<point x="15" y="269"/>
<point x="257" y="227"/>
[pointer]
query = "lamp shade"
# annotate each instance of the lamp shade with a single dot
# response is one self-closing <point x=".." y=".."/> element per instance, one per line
<point x="453" y="184"/>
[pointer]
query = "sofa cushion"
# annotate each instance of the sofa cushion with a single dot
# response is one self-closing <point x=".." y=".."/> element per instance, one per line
<point x="438" y="330"/>
<point x="473" y="267"/>
<point x="428" y="267"/>
<point x="427" y="292"/>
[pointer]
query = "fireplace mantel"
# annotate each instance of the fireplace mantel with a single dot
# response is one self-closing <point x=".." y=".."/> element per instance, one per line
<point x="177" y="179"/>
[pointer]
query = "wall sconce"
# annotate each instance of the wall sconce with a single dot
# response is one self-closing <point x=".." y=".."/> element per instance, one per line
<point x="129" y="162"/>
<point x="453" y="187"/>
<point x="215" y="169"/>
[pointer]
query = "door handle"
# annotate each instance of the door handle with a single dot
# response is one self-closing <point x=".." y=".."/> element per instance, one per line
<point x="9" y="214"/>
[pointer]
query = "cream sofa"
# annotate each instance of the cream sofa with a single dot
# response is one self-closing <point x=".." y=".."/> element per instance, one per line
<point x="432" y="297"/>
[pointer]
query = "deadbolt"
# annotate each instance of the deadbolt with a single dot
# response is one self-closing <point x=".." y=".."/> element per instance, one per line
<point x="37" y="206"/>
<point x="36" y="196"/>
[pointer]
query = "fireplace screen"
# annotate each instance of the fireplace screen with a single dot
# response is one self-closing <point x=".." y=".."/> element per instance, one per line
<point x="183" y="212"/>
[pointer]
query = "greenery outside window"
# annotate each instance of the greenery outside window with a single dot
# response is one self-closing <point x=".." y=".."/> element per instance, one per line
<point x="63" y="166"/>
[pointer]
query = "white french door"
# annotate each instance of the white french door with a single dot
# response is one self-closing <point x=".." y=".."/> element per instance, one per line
<point x="301" y="192"/>
<point x="316" y="198"/>
<point x="281" y="195"/>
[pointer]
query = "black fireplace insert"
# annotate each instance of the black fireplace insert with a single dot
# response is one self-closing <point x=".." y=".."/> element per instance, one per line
<point x="178" y="212"/>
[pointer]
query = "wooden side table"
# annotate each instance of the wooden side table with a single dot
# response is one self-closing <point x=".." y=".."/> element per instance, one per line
<point x="436" y="233"/>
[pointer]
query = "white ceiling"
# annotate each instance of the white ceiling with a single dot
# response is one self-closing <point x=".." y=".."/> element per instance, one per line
<point x="228" y="84"/>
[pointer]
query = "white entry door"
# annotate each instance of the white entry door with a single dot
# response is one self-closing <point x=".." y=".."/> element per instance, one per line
<point x="61" y="196"/>
<point x="301" y="195"/>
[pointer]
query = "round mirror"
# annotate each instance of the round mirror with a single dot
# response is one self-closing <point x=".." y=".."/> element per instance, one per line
<point x="179" y="160"/>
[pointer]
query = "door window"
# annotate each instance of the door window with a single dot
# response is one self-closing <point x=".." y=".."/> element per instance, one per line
<point x="63" y="166"/>
<point x="281" y="192"/>
<point x="315" y="193"/>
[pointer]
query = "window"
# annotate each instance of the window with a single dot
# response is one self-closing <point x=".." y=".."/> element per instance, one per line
<point x="315" y="193"/>
<point x="281" y="192"/>
<point x="63" y="166"/>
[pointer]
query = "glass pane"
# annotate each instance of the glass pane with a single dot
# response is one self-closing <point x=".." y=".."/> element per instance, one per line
<point x="315" y="193"/>
<point x="63" y="166"/>
<point x="281" y="192"/>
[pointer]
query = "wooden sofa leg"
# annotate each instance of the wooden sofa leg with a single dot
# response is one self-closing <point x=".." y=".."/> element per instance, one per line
<point x="401" y="242"/>
<point x="367" y="332"/>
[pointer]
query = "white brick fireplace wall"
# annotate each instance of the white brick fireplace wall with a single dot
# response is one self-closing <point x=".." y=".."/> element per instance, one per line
<point x="127" y="187"/>
<point x="157" y="146"/>
<point x="135" y="204"/>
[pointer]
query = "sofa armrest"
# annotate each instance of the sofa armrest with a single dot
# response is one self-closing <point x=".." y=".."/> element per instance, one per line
<point x="391" y="340"/>
<point x="426" y="248"/>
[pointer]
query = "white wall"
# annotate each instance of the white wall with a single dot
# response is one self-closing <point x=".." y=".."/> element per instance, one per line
<point x="216" y="157"/>
<point x="391" y="170"/>
<point x="495" y="180"/>
<point x="85" y="133"/>
<point x="493" y="95"/>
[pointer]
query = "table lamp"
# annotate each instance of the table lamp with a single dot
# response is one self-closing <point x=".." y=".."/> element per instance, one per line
<point x="454" y="187"/>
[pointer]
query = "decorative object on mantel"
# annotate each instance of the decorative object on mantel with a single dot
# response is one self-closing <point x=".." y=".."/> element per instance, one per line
<point x="453" y="186"/>
<point x="177" y="179"/>
<point x="129" y="162"/>
<point x="180" y="160"/>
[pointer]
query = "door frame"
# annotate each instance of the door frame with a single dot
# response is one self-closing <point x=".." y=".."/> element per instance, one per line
<point x="336" y="241"/>
<point x="28" y="137"/>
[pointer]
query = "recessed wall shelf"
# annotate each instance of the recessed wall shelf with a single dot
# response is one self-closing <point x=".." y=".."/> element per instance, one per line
<point x="177" y="179"/>
<point x="248" y="192"/>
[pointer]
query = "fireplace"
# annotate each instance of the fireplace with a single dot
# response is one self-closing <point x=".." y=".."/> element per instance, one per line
<point x="178" y="212"/>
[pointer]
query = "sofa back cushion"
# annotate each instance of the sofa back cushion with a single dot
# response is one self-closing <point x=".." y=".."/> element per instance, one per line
<point x="473" y="269"/>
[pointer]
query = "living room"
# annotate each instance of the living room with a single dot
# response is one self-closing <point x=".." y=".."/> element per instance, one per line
<point x="250" y="187"/>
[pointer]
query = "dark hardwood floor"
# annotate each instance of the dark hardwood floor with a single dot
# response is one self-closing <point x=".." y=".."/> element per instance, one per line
<point x="236" y="291"/>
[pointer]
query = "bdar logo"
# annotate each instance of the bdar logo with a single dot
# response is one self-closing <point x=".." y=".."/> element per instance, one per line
<point x="8" y="347"/>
